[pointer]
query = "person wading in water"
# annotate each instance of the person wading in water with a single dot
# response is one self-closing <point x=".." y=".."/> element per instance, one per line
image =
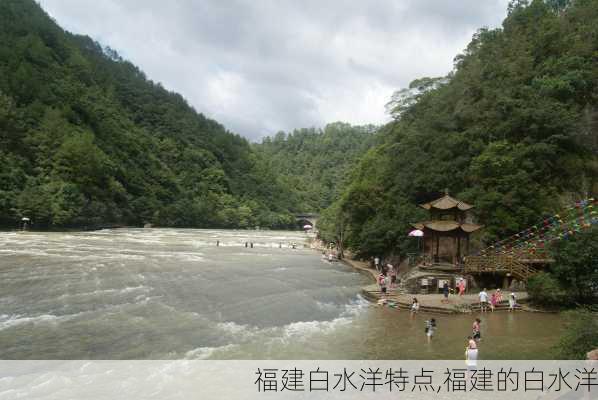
<point x="414" y="306"/>
<point x="477" y="334"/>
<point x="430" y="328"/>
<point x="471" y="353"/>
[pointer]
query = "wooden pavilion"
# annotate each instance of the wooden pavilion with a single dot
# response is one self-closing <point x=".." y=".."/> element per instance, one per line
<point x="446" y="233"/>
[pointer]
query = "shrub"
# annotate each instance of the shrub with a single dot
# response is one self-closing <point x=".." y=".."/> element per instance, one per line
<point x="581" y="335"/>
<point x="576" y="266"/>
<point x="544" y="289"/>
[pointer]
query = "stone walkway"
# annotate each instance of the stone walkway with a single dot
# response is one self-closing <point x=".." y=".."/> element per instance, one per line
<point x="428" y="302"/>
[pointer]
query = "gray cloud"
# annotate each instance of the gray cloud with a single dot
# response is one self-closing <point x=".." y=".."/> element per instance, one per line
<point x="263" y="66"/>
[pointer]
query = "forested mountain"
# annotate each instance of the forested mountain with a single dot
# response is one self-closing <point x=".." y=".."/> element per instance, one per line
<point x="314" y="163"/>
<point x="513" y="130"/>
<point x="86" y="139"/>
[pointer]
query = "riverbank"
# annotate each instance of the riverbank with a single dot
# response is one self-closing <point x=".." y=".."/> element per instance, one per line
<point x="468" y="303"/>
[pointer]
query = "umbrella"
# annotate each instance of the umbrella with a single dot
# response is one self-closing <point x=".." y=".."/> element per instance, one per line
<point x="24" y="219"/>
<point x="307" y="226"/>
<point x="416" y="232"/>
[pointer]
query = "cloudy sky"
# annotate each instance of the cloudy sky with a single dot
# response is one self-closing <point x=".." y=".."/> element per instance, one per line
<point x="260" y="66"/>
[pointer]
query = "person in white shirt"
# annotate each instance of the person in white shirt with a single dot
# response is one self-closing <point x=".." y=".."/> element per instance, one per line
<point x="414" y="306"/>
<point x="483" y="300"/>
<point x="430" y="328"/>
<point x="471" y="354"/>
<point x="512" y="302"/>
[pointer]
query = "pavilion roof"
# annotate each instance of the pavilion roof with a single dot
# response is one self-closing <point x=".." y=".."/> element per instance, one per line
<point x="446" y="226"/>
<point x="446" y="202"/>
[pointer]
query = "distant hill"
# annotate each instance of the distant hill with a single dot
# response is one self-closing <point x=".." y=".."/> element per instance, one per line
<point x="87" y="139"/>
<point x="314" y="164"/>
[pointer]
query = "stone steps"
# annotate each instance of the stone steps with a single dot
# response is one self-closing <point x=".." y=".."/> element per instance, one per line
<point x="375" y="295"/>
<point x="502" y="306"/>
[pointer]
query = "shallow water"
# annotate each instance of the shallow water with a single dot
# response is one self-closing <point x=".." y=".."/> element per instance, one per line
<point x="172" y="293"/>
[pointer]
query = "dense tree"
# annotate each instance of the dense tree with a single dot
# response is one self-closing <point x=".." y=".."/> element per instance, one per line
<point x="576" y="266"/>
<point x="512" y="129"/>
<point x="315" y="163"/>
<point x="580" y="335"/>
<point x="86" y="139"/>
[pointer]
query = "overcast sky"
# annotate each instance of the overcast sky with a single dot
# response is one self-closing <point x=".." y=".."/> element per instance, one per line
<point x="260" y="66"/>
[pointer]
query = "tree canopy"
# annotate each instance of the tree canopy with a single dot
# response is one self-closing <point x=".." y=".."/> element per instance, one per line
<point x="314" y="164"/>
<point x="86" y="139"/>
<point x="513" y="129"/>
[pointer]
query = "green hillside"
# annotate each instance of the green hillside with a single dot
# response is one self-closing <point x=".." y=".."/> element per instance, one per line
<point x="314" y="163"/>
<point x="513" y="129"/>
<point x="86" y="139"/>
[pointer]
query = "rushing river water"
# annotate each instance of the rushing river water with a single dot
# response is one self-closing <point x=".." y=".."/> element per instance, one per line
<point x="171" y="293"/>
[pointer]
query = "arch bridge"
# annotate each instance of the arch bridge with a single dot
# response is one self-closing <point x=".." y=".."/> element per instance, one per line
<point x="307" y="218"/>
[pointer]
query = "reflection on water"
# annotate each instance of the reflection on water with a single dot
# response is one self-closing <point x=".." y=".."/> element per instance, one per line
<point x="171" y="293"/>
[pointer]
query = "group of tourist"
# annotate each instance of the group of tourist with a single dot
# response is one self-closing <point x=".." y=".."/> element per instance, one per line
<point x="495" y="299"/>
<point x="471" y="348"/>
<point x="473" y="340"/>
<point x="387" y="278"/>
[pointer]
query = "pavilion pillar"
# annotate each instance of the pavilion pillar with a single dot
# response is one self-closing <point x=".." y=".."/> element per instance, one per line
<point x="467" y="244"/>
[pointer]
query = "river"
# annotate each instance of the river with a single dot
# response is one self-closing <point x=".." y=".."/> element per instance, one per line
<point x="174" y="294"/>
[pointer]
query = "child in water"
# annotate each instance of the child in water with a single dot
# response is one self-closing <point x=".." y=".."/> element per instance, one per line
<point x="414" y="306"/>
<point x="430" y="328"/>
<point x="477" y="334"/>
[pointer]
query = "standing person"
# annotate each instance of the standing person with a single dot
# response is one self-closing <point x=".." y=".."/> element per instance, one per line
<point x="461" y="287"/>
<point x="414" y="306"/>
<point x="512" y="302"/>
<point x="377" y="263"/>
<point x="499" y="298"/>
<point x="445" y="292"/>
<point x="477" y="333"/>
<point x="483" y="300"/>
<point x="430" y="328"/>
<point x="392" y="271"/>
<point x="382" y="283"/>
<point x="493" y="301"/>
